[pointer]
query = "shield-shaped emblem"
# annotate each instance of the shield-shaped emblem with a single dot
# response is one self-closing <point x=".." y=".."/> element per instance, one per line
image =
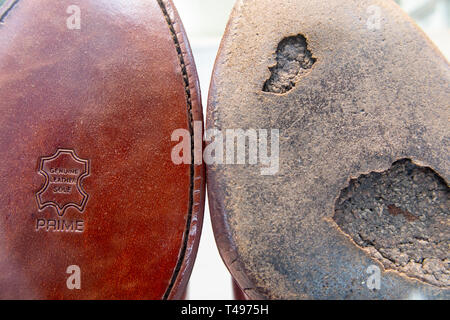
<point x="64" y="173"/>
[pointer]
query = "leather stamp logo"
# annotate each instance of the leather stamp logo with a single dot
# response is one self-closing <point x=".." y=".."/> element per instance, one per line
<point x="64" y="173"/>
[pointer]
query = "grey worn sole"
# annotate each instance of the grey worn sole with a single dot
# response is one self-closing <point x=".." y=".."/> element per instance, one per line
<point x="358" y="206"/>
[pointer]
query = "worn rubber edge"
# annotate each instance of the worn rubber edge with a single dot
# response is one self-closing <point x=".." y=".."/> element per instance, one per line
<point x="225" y="244"/>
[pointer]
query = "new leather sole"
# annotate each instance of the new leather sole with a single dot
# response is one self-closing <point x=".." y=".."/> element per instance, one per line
<point x="91" y="204"/>
<point x="358" y="208"/>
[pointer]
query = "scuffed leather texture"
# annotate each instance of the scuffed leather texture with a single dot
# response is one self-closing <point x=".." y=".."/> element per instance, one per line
<point x="113" y="92"/>
<point x="363" y="105"/>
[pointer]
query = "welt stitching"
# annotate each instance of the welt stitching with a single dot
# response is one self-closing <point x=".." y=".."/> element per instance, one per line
<point x="188" y="94"/>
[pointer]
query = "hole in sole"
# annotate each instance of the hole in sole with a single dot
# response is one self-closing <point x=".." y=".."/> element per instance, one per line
<point x="293" y="61"/>
<point x="401" y="218"/>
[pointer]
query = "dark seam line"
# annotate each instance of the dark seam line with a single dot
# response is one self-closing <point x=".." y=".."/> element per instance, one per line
<point x="191" y="129"/>
<point x="2" y="18"/>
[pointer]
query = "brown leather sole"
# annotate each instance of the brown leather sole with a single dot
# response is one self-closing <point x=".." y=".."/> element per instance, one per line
<point x="358" y="207"/>
<point x="91" y="204"/>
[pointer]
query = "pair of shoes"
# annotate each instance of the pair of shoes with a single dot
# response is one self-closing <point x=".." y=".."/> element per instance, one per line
<point x="326" y="156"/>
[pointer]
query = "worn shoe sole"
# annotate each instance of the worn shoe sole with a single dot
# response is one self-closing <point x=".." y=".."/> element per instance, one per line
<point x="91" y="204"/>
<point x="359" y="206"/>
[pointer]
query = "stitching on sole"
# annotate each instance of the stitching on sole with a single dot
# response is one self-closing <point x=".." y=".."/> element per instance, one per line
<point x="187" y="89"/>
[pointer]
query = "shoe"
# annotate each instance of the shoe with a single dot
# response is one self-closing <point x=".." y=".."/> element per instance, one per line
<point x="92" y="205"/>
<point x="336" y="184"/>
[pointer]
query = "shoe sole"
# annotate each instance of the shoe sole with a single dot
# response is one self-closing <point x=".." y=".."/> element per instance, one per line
<point x="92" y="206"/>
<point x="359" y="206"/>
